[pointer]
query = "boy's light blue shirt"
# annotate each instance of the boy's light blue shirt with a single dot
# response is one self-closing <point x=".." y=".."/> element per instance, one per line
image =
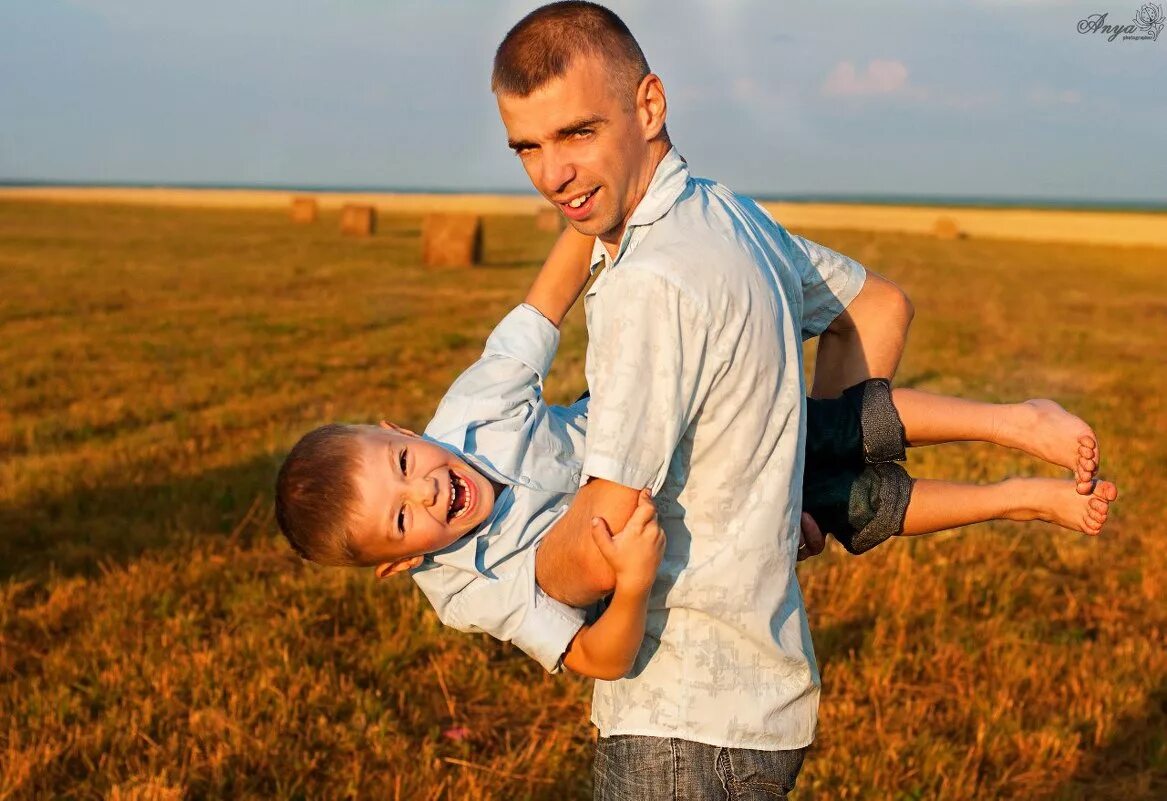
<point x="495" y="418"/>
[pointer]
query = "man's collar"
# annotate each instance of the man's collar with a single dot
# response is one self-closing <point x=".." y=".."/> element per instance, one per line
<point x="667" y="185"/>
<point x="668" y="182"/>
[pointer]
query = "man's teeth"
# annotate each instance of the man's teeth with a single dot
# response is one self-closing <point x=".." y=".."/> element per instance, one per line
<point x="582" y="199"/>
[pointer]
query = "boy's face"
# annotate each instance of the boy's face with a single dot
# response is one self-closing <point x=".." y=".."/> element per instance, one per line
<point x="416" y="498"/>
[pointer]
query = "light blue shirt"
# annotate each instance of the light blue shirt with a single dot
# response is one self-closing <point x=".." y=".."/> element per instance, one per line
<point x="495" y="418"/>
<point x="695" y="369"/>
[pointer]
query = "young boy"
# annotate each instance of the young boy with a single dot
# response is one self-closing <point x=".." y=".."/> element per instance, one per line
<point x="465" y="506"/>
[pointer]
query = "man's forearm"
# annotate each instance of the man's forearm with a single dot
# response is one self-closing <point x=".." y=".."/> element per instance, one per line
<point x="865" y="341"/>
<point x="568" y="565"/>
<point x="563" y="276"/>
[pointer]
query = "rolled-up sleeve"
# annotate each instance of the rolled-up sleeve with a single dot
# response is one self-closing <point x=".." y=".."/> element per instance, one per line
<point x="505" y="384"/>
<point x="526" y="336"/>
<point x="649" y="371"/>
<point x="830" y="281"/>
<point x="511" y="607"/>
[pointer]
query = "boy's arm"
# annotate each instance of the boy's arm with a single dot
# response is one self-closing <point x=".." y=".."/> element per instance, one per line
<point x="607" y="648"/>
<point x="563" y="276"/>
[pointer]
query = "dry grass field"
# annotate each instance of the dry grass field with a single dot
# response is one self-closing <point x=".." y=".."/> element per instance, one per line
<point x="158" y="642"/>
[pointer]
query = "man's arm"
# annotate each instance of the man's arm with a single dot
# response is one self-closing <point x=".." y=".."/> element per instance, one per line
<point x="563" y="276"/>
<point x="568" y="566"/>
<point x="650" y="374"/>
<point x="865" y="341"/>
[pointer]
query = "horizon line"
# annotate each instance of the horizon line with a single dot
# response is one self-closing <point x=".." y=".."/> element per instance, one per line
<point x="851" y="198"/>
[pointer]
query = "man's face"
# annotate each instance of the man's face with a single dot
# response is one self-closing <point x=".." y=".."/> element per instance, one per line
<point x="579" y="137"/>
<point x="415" y="497"/>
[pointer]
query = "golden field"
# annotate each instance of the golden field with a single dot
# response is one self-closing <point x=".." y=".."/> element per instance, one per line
<point x="1020" y="224"/>
<point x="157" y="641"/>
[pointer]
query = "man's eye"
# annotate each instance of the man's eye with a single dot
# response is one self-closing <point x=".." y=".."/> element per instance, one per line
<point x="586" y="132"/>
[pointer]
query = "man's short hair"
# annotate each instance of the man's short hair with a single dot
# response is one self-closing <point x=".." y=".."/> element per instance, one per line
<point x="543" y="44"/>
<point x="317" y="494"/>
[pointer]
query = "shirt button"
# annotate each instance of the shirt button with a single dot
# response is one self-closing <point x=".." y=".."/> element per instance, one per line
<point x="525" y="481"/>
<point x="575" y="477"/>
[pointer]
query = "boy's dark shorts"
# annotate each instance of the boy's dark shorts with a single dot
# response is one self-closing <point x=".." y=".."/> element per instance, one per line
<point x="852" y="486"/>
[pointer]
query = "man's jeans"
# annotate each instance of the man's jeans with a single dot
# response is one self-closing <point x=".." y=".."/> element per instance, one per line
<point x="633" y="768"/>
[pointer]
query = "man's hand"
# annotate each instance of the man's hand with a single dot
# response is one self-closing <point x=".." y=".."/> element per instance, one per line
<point x="635" y="553"/>
<point x="811" y="542"/>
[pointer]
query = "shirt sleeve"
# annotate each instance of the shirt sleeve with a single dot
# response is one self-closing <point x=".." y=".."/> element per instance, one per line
<point x="650" y="367"/>
<point x="507" y="380"/>
<point x="830" y="281"/>
<point x="510" y="607"/>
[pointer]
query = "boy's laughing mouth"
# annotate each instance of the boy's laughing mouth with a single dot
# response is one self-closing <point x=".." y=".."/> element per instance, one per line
<point x="463" y="495"/>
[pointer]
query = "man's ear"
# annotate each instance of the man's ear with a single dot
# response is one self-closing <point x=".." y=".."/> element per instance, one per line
<point x="397" y="428"/>
<point x="652" y="107"/>
<point x="387" y="569"/>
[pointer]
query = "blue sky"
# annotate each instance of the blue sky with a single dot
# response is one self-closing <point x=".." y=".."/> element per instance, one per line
<point x="987" y="98"/>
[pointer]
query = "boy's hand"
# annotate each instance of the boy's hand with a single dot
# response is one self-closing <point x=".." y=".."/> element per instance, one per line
<point x="636" y="552"/>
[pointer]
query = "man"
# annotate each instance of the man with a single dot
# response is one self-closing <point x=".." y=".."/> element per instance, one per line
<point x="695" y="368"/>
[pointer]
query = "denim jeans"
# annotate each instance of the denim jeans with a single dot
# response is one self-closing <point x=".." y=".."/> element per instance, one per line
<point x="634" y="768"/>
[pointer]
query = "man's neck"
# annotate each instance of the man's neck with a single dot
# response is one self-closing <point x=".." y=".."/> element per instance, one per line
<point x="657" y="150"/>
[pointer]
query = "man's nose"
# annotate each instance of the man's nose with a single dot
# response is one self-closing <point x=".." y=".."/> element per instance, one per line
<point x="558" y="171"/>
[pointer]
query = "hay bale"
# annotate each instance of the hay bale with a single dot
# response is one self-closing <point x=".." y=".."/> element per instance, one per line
<point x="451" y="240"/>
<point x="358" y="220"/>
<point x="946" y="228"/>
<point x="304" y="210"/>
<point x="550" y="220"/>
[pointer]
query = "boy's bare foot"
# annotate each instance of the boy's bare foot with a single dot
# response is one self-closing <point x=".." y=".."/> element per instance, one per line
<point x="1044" y="429"/>
<point x="1057" y="501"/>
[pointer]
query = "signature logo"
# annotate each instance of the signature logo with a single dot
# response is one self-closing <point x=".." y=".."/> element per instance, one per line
<point x="1147" y="25"/>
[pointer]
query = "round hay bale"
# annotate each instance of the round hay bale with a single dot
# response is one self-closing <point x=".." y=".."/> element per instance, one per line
<point x="550" y="220"/>
<point x="451" y="240"/>
<point x="304" y="210"/>
<point x="946" y="228"/>
<point x="358" y="220"/>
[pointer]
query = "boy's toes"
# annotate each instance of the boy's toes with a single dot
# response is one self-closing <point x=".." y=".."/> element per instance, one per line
<point x="1106" y="490"/>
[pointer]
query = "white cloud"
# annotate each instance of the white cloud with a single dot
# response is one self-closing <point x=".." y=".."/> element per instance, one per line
<point x="881" y="77"/>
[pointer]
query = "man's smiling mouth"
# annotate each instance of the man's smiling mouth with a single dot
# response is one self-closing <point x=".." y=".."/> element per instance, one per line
<point x="576" y="202"/>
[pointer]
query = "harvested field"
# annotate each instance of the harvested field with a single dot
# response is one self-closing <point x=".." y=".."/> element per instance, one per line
<point x="157" y="639"/>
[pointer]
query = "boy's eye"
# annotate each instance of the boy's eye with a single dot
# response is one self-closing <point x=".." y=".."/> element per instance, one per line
<point x="401" y="520"/>
<point x="404" y="452"/>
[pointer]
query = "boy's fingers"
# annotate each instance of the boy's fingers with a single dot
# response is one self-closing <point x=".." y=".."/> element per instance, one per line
<point x="603" y="537"/>
<point x="642" y="515"/>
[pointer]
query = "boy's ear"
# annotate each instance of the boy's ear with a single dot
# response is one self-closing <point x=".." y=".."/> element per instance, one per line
<point x="387" y="569"/>
<point x="397" y="428"/>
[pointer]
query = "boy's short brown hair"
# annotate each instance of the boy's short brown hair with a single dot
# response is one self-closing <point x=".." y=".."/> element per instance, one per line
<point x="316" y="495"/>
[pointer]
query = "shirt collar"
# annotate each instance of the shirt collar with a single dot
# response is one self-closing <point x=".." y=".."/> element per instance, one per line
<point x="668" y="182"/>
<point x="665" y="188"/>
